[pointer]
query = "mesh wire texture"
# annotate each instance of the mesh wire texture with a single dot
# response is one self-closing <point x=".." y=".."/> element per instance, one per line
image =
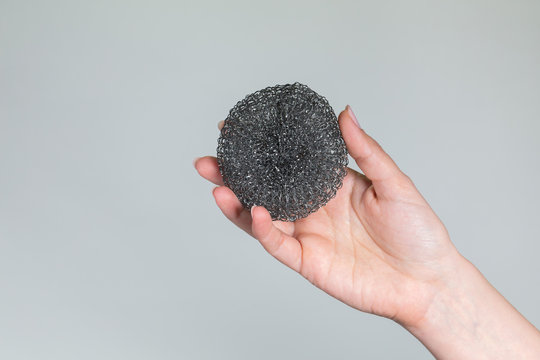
<point x="281" y="148"/>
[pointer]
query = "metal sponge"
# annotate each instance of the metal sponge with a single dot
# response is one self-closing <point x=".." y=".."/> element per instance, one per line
<point x="281" y="148"/>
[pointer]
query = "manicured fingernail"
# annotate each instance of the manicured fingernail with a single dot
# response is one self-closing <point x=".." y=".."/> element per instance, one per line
<point x="351" y="113"/>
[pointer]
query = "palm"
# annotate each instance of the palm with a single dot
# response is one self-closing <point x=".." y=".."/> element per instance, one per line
<point x="351" y="250"/>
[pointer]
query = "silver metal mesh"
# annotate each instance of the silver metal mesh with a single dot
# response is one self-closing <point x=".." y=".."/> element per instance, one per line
<point x="281" y="148"/>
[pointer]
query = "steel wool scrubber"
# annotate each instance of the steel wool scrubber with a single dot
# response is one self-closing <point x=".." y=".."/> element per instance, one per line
<point x="281" y="148"/>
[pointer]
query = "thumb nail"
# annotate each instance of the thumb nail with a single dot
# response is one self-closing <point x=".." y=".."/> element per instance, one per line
<point x="351" y="113"/>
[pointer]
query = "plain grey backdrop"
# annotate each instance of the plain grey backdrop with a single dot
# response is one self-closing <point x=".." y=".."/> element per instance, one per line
<point x="111" y="246"/>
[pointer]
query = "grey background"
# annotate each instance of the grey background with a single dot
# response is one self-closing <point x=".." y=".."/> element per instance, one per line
<point x="111" y="246"/>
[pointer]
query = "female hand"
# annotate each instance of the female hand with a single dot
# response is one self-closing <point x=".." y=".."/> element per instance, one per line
<point x="380" y="248"/>
<point x="377" y="246"/>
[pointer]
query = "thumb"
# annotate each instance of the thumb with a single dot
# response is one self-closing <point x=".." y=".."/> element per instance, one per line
<point x="375" y="163"/>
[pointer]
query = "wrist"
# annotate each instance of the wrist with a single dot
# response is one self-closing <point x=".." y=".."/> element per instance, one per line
<point x="468" y="319"/>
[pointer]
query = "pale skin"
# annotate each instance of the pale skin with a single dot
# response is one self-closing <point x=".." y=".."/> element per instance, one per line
<point x="379" y="247"/>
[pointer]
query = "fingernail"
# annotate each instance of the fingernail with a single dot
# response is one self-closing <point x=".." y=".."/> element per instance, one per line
<point x="351" y="113"/>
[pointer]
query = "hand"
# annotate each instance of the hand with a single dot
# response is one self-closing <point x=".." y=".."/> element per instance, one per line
<point x="376" y="246"/>
<point x="379" y="247"/>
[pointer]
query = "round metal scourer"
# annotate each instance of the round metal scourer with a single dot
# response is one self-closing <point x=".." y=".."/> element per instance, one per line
<point x="281" y="148"/>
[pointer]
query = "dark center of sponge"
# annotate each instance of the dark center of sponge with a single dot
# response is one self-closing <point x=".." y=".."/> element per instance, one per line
<point x="281" y="148"/>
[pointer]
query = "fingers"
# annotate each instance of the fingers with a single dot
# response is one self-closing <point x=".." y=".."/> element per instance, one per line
<point x="226" y="200"/>
<point x="259" y="224"/>
<point x="283" y="247"/>
<point x="208" y="168"/>
<point x="370" y="157"/>
<point x="231" y="207"/>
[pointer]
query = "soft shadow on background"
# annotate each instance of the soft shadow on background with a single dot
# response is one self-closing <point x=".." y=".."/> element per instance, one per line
<point x="111" y="246"/>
